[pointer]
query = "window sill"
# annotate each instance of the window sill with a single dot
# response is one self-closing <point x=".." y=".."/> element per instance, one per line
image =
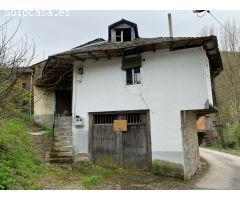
<point x="137" y="85"/>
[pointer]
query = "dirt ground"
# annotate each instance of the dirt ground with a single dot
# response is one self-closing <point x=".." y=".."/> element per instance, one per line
<point x="89" y="176"/>
<point x="97" y="177"/>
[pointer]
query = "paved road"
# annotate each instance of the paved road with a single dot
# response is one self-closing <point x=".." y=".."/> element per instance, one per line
<point x="223" y="172"/>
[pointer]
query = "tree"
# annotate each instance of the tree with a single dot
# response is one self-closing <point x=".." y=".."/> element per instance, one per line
<point x="16" y="55"/>
<point x="227" y="84"/>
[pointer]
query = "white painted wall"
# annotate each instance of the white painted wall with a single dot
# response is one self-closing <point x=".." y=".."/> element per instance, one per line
<point x="171" y="82"/>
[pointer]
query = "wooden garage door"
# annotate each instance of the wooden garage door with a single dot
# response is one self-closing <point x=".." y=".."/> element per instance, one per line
<point x="130" y="149"/>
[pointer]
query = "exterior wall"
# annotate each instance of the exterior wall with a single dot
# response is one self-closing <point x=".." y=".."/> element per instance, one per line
<point x="44" y="105"/>
<point x="190" y="144"/>
<point x="25" y="78"/>
<point x="171" y="82"/>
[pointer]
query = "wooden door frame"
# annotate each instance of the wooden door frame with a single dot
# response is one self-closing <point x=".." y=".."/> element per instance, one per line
<point x="148" y="129"/>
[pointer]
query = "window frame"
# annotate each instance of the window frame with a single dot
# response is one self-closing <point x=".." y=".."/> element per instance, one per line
<point x="133" y="77"/>
<point x="121" y="36"/>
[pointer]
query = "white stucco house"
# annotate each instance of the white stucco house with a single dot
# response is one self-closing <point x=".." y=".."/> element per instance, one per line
<point x="129" y="101"/>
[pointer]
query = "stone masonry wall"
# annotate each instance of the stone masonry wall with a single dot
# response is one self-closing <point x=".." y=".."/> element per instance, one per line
<point x="190" y="144"/>
<point x="44" y="105"/>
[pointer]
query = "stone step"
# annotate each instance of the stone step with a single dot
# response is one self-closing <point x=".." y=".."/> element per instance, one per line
<point x="61" y="160"/>
<point x="56" y="134"/>
<point x="63" y="129"/>
<point x="63" y="120"/>
<point x="66" y="126"/>
<point x="62" y="138"/>
<point x="62" y="143"/>
<point x="61" y="154"/>
<point x="61" y="148"/>
<point x="67" y="166"/>
<point x="63" y="124"/>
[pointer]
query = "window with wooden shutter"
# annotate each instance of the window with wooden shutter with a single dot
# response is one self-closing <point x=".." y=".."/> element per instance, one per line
<point x="132" y="67"/>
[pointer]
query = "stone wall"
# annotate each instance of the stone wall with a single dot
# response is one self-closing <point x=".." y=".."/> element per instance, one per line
<point x="44" y="120"/>
<point x="190" y="144"/>
<point x="166" y="168"/>
<point x="44" y="106"/>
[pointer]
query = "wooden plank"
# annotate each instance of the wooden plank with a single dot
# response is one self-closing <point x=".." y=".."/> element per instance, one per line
<point x="120" y="148"/>
<point x="149" y="140"/>
<point x="105" y="145"/>
<point x="117" y="149"/>
<point x="90" y="137"/>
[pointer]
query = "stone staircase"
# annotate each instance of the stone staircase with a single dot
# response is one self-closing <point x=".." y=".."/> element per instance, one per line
<point x="62" y="151"/>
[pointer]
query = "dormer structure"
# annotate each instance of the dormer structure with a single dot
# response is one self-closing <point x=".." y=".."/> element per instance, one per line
<point x="122" y="31"/>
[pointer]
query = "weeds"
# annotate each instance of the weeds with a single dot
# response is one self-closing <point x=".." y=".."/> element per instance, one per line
<point x="19" y="168"/>
<point x="49" y="131"/>
<point x="92" y="181"/>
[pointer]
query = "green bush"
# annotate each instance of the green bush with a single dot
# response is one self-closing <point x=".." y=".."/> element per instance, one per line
<point x="19" y="168"/>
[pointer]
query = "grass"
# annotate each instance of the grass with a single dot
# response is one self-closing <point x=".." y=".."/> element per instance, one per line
<point x="19" y="167"/>
<point x="235" y="152"/>
<point x="92" y="182"/>
<point x="49" y="131"/>
<point x="94" y="174"/>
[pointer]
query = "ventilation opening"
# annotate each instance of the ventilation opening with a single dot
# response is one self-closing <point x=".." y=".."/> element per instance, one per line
<point x="133" y="118"/>
<point x="108" y="119"/>
<point x="104" y="119"/>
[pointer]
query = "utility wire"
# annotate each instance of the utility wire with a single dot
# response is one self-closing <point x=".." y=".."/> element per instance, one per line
<point x="219" y="22"/>
<point x="215" y="18"/>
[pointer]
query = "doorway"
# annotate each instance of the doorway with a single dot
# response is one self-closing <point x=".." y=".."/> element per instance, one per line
<point x="128" y="149"/>
<point x="63" y="102"/>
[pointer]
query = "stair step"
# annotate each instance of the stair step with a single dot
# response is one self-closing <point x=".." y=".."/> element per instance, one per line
<point x="62" y="133"/>
<point x="62" y="138"/>
<point x="61" y="160"/>
<point x="62" y="143"/>
<point x="63" y="120"/>
<point x="61" y="154"/>
<point x="63" y="126"/>
<point x="61" y="148"/>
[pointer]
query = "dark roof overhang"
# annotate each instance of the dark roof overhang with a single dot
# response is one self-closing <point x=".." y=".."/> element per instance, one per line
<point x="60" y="64"/>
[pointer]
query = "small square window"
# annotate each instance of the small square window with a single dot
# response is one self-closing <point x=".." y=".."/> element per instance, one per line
<point x="123" y="35"/>
<point x="133" y="76"/>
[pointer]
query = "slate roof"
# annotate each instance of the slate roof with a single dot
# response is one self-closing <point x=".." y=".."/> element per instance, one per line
<point x="61" y="63"/>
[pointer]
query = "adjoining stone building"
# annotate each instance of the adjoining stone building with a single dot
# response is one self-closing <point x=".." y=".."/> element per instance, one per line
<point x="129" y="101"/>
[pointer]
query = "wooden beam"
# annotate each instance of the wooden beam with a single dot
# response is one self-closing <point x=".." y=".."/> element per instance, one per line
<point x="51" y="86"/>
<point x="122" y="53"/>
<point x="92" y="55"/>
<point x="77" y="57"/>
<point x="108" y="55"/>
<point x="138" y="51"/>
<point x="154" y="47"/>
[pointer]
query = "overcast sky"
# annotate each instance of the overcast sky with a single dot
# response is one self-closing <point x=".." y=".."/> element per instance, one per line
<point x="56" y="34"/>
